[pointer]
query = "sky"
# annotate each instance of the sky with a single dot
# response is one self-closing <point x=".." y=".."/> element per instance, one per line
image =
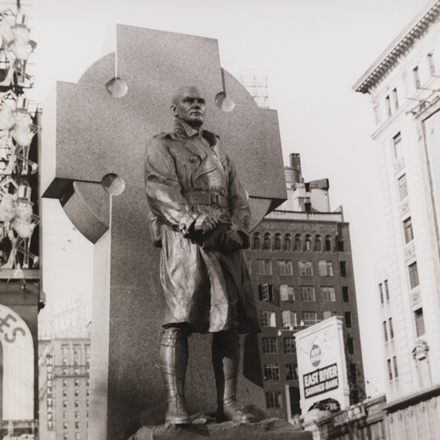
<point x="312" y="52"/>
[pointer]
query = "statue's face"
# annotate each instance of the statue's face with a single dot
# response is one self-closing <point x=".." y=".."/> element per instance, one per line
<point x="189" y="106"/>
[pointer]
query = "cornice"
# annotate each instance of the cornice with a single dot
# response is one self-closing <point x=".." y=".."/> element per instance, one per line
<point x="405" y="40"/>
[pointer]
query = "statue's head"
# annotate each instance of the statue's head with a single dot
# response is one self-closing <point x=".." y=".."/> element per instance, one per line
<point x="189" y="106"/>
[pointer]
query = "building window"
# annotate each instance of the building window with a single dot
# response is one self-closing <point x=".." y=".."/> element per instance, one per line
<point x="347" y="319"/>
<point x="416" y="77"/>
<point x="267" y="319"/>
<point x="76" y="382"/>
<point x="266" y="241"/>
<point x="65" y="382"/>
<point x="345" y="294"/>
<point x="309" y="318"/>
<point x="420" y="322"/>
<point x="287" y="242"/>
<point x="325" y="268"/>
<point x="403" y="187"/>
<point x="269" y="345"/>
<point x="431" y="63"/>
<point x="328" y="243"/>
<point x="413" y="275"/>
<point x="407" y="228"/>
<point x="350" y="345"/>
<point x="307" y="293"/>
<point x="77" y="435"/>
<point x="328" y="294"/>
<point x="390" y="370"/>
<point x="65" y="425"/>
<point x="289" y="346"/>
<point x="388" y="105"/>
<point x="308" y="243"/>
<point x="353" y="373"/>
<point x="65" y="403"/>
<point x="328" y="314"/>
<point x="387" y="292"/>
<point x="343" y="268"/>
<point x="396" y="371"/>
<point x="271" y="372"/>
<point x="291" y="372"/>
<point x="264" y="267"/>
<point x="265" y="292"/>
<point x="395" y="99"/>
<point x="65" y="436"/>
<point x="297" y="242"/>
<point x="305" y="268"/>
<point x="65" y="372"/>
<point x="76" y="414"/>
<point x="64" y="414"/>
<point x="76" y="403"/>
<point x="273" y="399"/>
<point x="287" y="293"/>
<point x="289" y="318"/>
<point x="87" y="392"/>
<point x="76" y="393"/>
<point x="397" y="146"/>
<point x="277" y="242"/>
<point x="257" y="240"/>
<point x="381" y="293"/>
<point x="64" y="393"/>
<point x="285" y="267"/>
<point x="318" y="243"/>
<point x="76" y="425"/>
<point x="385" y="331"/>
<point x="390" y="322"/>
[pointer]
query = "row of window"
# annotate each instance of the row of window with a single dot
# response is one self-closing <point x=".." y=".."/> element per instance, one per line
<point x="317" y="243"/>
<point x="272" y="372"/>
<point x="392" y="101"/>
<point x="267" y="293"/>
<point x="66" y="436"/>
<point x="74" y="353"/>
<point x="77" y="414"/>
<point x="305" y="267"/>
<point x="270" y="345"/>
<point x="388" y="329"/>
<point x="77" y="425"/>
<point x="76" y="382"/>
<point x="268" y="318"/>
<point x="76" y="392"/>
<point x="77" y="403"/>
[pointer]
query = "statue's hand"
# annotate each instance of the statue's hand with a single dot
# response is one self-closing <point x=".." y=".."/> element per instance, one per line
<point x="231" y="240"/>
<point x="206" y="223"/>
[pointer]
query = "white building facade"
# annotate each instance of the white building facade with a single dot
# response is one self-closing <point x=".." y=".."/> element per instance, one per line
<point x="404" y="85"/>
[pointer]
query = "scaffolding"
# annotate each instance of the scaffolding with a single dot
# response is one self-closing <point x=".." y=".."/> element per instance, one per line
<point x="256" y="85"/>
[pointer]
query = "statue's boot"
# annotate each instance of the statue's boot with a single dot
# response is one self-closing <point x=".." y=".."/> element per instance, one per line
<point x="226" y="361"/>
<point x="173" y="361"/>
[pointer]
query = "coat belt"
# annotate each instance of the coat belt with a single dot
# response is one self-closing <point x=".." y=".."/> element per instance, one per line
<point x="206" y="198"/>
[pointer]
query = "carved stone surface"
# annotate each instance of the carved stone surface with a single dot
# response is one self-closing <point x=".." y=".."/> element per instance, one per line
<point x="97" y="134"/>
<point x="270" y="429"/>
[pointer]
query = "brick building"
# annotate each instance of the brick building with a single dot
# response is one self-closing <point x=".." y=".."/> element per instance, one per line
<point x="302" y="272"/>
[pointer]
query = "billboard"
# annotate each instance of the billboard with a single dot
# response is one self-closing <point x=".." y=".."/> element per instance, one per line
<point x="321" y="364"/>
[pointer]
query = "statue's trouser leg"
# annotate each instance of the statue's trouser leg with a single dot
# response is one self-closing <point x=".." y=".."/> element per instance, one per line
<point x="173" y="361"/>
<point x="226" y="362"/>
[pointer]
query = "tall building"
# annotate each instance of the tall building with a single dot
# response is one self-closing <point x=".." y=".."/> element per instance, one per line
<point x="302" y="272"/>
<point x="404" y="85"/>
<point x="64" y="368"/>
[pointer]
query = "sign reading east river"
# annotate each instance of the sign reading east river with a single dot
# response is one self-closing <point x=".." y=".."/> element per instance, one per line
<point x="321" y="381"/>
<point x="321" y="364"/>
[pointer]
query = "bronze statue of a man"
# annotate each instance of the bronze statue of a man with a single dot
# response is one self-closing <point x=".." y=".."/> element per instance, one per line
<point x="200" y="218"/>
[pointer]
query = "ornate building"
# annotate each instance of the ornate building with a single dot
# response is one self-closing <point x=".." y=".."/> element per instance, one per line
<point x="404" y="84"/>
<point x="302" y="272"/>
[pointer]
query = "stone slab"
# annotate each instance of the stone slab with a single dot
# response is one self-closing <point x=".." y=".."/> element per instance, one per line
<point x="97" y="134"/>
<point x="270" y="429"/>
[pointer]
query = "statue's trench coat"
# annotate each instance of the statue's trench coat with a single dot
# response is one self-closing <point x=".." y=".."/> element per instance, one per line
<point x="202" y="285"/>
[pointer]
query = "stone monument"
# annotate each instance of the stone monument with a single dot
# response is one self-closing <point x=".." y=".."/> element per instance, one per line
<point x="100" y="129"/>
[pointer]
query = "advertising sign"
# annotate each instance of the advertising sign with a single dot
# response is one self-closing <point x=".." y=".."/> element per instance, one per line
<point x="321" y="364"/>
<point x="49" y="399"/>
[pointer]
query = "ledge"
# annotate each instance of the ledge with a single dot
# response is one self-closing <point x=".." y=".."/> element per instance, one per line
<point x="413" y="399"/>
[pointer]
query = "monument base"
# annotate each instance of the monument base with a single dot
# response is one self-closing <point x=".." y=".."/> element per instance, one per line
<point x="268" y="429"/>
